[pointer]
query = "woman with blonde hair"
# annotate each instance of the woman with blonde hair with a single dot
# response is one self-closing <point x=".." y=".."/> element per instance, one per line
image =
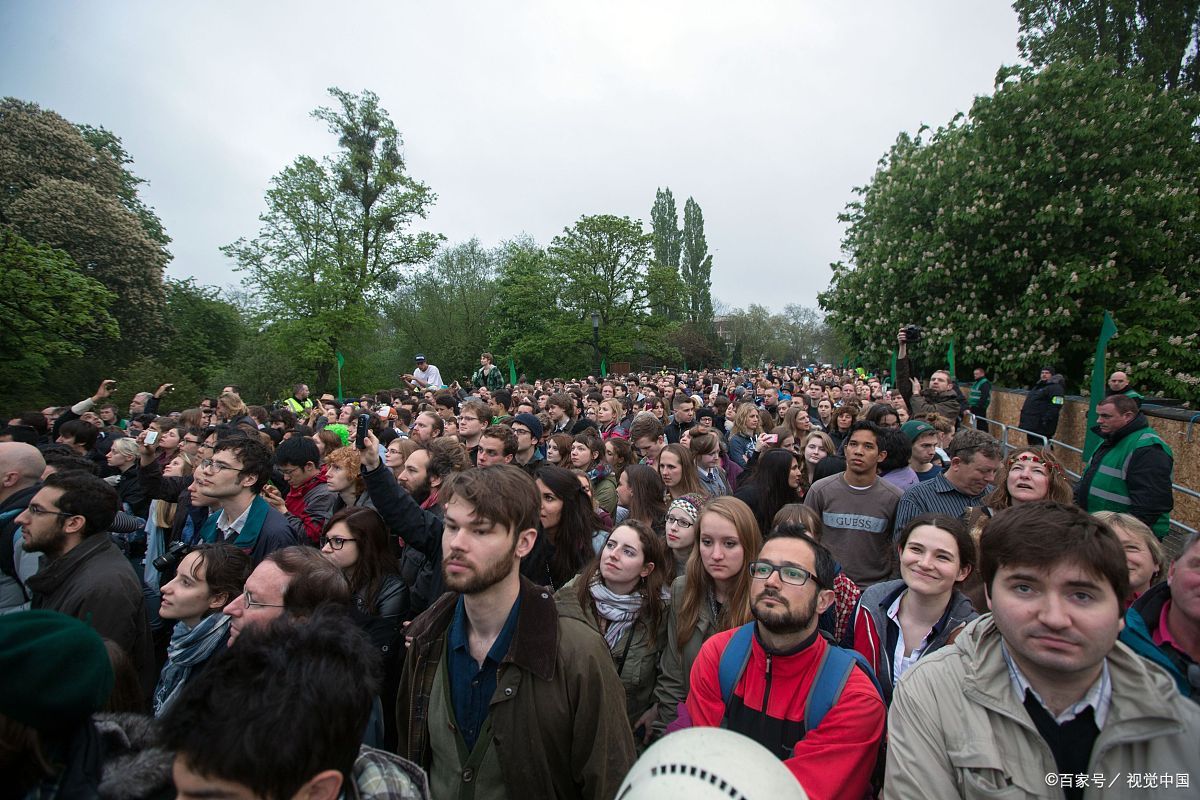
<point x="1143" y="552"/>
<point x="813" y="449"/>
<point x="712" y="596"/>
<point x="608" y="416"/>
<point x="743" y="439"/>
<point x="232" y="410"/>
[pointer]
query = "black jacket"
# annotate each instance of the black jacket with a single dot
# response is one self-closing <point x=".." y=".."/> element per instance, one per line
<point x="1040" y="411"/>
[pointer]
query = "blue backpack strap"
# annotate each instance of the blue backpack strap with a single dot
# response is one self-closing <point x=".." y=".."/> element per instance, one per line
<point x="832" y="674"/>
<point x="734" y="659"/>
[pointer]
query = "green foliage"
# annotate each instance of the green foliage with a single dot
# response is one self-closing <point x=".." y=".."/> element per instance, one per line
<point x="50" y="311"/>
<point x="1156" y="41"/>
<point x="108" y="144"/>
<point x="1067" y="192"/>
<point x="204" y="329"/>
<point x="334" y="240"/>
<point x="696" y="267"/>
<point x="444" y="309"/>
<point x="528" y="324"/>
<point x="62" y="191"/>
<point x="667" y="239"/>
<point x="797" y="336"/>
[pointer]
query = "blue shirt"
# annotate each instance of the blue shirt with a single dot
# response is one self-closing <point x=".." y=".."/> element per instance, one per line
<point x="472" y="686"/>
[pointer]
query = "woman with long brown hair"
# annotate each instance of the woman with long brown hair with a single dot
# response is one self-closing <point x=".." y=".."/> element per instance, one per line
<point x="677" y="468"/>
<point x="622" y="595"/>
<point x="712" y="596"/>
<point x="641" y="496"/>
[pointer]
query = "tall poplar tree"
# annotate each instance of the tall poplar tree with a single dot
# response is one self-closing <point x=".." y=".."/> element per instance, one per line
<point x="666" y="239"/>
<point x="695" y="267"/>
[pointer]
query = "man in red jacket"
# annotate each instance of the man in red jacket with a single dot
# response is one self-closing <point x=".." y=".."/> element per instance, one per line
<point x="792" y="580"/>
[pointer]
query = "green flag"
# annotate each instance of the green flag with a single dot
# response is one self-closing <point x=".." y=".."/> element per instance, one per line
<point x="603" y="368"/>
<point x="950" y="359"/>
<point x="512" y="372"/>
<point x="1108" y="329"/>
<point x="892" y="377"/>
<point x="341" y="361"/>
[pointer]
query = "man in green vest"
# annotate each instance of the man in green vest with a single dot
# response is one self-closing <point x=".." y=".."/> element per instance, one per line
<point x="979" y="397"/>
<point x="1118" y="383"/>
<point x="1131" y="470"/>
<point x="299" y="402"/>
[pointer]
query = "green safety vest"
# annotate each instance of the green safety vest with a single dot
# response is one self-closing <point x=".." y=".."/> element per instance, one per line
<point x="976" y="392"/>
<point x="1109" y="491"/>
<point x="295" y="406"/>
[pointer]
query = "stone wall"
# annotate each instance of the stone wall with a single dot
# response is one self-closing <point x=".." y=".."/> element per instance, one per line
<point x="1172" y="425"/>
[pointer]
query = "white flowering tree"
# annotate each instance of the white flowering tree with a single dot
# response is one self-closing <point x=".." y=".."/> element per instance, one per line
<point x="1069" y="191"/>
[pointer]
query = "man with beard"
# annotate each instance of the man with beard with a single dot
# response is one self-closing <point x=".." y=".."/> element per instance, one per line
<point x="83" y="574"/>
<point x="769" y="701"/>
<point x="498" y="691"/>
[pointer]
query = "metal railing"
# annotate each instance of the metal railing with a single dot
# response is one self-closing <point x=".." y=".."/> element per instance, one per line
<point x="1032" y="437"/>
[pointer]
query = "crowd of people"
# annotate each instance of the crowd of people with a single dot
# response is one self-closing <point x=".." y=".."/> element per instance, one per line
<point x="505" y="590"/>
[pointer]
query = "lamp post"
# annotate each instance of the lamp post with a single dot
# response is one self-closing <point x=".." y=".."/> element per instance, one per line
<point x="596" y="341"/>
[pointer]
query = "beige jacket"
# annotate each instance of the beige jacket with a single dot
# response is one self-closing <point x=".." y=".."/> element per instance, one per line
<point x="957" y="729"/>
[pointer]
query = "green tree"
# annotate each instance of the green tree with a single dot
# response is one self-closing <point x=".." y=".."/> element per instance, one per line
<point x="1067" y="192"/>
<point x="205" y="330"/>
<point x="50" y="310"/>
<point x="528" y="324"/>
<point x="696" y="266"/>
<point x="444" y="311"/>
<point x="62" y="191"/>
<point x="335" y="238"/>
<point x="1155" y="40"/>
<point x="667" y="238"/>
<point x="109" y="144"/>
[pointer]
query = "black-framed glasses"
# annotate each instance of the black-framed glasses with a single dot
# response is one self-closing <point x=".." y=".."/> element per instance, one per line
<point x="795" y="576"/>
<point x="38" y="511"/>
<point x="681" y="522"/>
<point x="336" y="542"/>
<point x="252" y="603"/>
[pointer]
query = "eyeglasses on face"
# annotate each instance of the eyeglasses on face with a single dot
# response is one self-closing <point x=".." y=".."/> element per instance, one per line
<point x="336" y="542"/>
<point x="210" y="464"/>
<point x="680" y="522"/>
<point x="38" y="511"/>
<point x="252" y="603"/>
<point x="796" y="576"/>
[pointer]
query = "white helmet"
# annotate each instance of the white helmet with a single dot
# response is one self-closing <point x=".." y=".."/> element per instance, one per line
<point x="709" y="764"/>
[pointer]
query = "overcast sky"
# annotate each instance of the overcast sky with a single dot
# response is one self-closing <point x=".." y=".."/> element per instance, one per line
<point x="523" y="115"/>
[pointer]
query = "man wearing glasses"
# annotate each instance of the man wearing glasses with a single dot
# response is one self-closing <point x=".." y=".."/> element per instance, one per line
<point x="792" y="585"/>
<point x="295" y="581"/>
<point x="234" y="477"/>
<point x="83" y="574"/>
<point x="472" y="419"/>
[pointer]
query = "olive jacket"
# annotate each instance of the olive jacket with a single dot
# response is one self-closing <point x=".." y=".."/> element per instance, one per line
<point x="675" y="664"/>
<point x="558" y="720"/>
<point x="635" y="656"/>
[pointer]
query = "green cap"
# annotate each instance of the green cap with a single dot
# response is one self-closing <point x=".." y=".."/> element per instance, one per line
<point x="56" y="669"/>
<point x="914" y="428"/>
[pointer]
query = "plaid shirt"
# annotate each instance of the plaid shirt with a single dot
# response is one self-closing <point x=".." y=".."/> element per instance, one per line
<point x="384" y="776"/>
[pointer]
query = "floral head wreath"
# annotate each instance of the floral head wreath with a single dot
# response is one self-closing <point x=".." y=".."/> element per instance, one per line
<point x="1026" y="455"/>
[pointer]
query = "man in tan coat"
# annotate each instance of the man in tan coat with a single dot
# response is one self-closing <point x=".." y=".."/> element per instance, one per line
<point x="1038" y="699"/>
